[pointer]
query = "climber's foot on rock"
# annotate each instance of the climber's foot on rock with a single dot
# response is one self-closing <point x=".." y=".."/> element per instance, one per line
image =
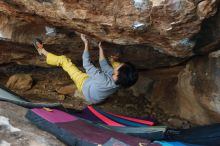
<point x="39" y="46"/>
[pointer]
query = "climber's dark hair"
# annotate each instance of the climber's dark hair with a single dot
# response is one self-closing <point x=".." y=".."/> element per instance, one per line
<point x="127" y="75"/>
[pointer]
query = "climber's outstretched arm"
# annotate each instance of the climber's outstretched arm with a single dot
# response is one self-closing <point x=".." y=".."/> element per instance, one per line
<point x="103" y="62"/>
<point x="101" y="52"/>
<point x="91" y="70"/>
<point x="86" y="43"/>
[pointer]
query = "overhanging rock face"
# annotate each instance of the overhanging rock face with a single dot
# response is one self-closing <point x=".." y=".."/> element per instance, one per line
<point x="167" y="25"/>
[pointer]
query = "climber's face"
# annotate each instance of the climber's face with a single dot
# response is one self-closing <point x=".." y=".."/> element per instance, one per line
<point x="116" y="72"/>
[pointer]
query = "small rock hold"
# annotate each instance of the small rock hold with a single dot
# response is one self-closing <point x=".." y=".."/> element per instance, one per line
<point x="60" y="97"/>
<point x="130" y="106"/>
<point x="177" y="123"/>
<point x="215" y="54"/>
<point x="68" y="89"/>
<point x="20" y="82"/>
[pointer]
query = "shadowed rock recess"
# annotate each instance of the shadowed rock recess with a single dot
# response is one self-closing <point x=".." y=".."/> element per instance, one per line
<point x="173" y="43"/>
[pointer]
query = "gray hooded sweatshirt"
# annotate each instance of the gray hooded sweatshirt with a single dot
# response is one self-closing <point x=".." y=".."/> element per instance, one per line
<point x="100" y="83"/>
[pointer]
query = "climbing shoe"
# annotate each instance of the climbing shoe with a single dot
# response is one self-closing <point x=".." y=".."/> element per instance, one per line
<point x="38" y="45"/>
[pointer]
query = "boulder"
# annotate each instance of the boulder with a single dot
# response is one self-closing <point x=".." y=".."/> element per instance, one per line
<point x="193" y="94"/>
<point x="168" y="26"/>
<point x="20" y="82"/>
<point x="68" y="89"/>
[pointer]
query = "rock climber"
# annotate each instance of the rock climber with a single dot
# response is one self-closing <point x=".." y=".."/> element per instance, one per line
<point x="96" y="84"/>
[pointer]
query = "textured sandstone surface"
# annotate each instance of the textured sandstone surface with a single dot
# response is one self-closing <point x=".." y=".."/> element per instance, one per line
<point x="193" y="94"/>
<point x="143" y="57"/>
<point x="20" y="82"/>
<point x="166" y="25"/>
